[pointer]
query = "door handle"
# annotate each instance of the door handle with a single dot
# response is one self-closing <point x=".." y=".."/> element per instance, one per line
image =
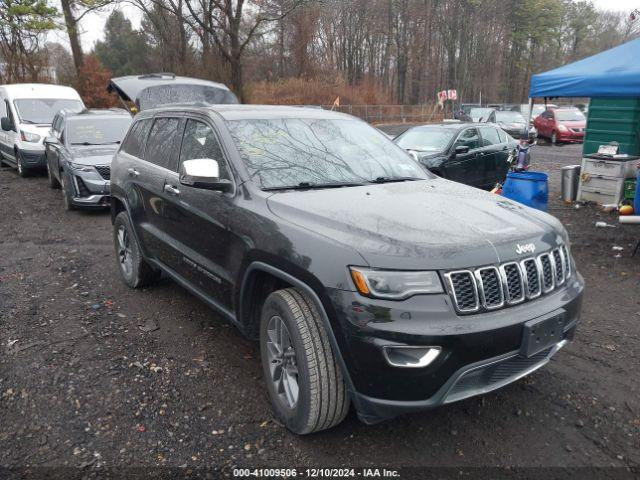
<point x="171" y="190"/>
<point x="133" y="172"/>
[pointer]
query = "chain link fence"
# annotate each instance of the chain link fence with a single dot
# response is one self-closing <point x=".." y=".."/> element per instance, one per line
<point x="381" y="114"/>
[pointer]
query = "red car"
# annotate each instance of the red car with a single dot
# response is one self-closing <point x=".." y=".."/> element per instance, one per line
<point x="561" y="125"/>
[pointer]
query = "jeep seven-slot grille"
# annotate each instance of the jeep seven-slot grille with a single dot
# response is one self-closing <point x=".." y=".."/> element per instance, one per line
<point x="494" y="287"/>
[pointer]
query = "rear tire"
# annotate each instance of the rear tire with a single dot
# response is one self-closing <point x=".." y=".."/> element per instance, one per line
<point x="318" y="398"/>
<point x="134" y="270"/>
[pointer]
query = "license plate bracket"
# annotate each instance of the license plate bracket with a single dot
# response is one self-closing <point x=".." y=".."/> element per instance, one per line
<point x="541" y="333"/>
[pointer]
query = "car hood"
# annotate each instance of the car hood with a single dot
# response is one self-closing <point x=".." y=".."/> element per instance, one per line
<point x="430" y="224"/>
<point x="150" y="91"/>
<point x="93" y="155"/>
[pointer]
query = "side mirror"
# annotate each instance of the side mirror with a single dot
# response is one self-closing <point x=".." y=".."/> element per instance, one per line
<point x="6" y="124"/>
<point x="460" y="149"/>
<point x="203" y="173"/>
<point x="51" y="140"/>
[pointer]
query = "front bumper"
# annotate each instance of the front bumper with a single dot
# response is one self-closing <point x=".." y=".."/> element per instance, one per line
<point x="33" y="158"/>
<point x="479" y="352"/>
<point x="570" y="136"/>
<point x="89" y="189"/>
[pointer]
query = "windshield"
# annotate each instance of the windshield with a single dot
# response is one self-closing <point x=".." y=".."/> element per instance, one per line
<point x="97" y="131"/>
<point x="42" y="110"/>
<point x="427" y="139"/>
<point x="287" y="152"/>
<point x="510" y="117"/>
<point x="477" y="113"/>
<point x="569" y="115"/>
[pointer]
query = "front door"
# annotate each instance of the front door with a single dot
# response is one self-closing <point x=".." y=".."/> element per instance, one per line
<point x="197" y="219"/>
<point x="466" y="167"/>
<point x="496" y="153"/>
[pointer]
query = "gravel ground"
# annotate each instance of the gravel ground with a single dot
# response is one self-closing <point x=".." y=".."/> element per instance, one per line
<point x="93" y="374"/>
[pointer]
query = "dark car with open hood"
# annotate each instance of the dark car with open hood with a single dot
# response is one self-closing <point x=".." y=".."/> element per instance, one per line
<point x="473" y="154"/>
<point x="367" y="280"/>
<point x="154" y="89"/>
<point x="78" y="153"/>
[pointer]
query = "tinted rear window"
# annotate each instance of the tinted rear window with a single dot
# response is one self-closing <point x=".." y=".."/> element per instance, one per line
<point x="161" y="143"/>
<point x="166" y="94"/>
<point x="134" y="143"/>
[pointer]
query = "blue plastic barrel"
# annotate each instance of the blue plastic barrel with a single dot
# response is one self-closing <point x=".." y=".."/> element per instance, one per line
<point x="636" y="200"/>
<point x="528" y="188"/>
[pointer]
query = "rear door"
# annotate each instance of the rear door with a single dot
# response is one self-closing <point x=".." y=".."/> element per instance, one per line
<point x="160" y="159"/>
<point x="197" y="219"/>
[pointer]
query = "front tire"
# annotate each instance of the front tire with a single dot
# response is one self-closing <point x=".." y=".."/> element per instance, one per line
<point x="304" y="381"/>
<point x="134" y="270"/>
<point x="53" y="181"/>
<point x="22" y="170"/>
<point x="66" y="195"/>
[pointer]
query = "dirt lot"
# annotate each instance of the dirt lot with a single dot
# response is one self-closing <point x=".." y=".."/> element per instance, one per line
<point x="93" y="374"/>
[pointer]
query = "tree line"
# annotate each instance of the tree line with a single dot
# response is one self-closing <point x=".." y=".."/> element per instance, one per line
<point x="404" y="50"/>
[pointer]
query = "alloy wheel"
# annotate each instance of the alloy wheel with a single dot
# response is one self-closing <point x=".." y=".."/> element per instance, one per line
<point x="124" y="251"/>
<point x="282" y="362"/>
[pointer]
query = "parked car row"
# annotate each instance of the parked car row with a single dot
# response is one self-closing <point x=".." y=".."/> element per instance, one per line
<point x="367" y="280"/>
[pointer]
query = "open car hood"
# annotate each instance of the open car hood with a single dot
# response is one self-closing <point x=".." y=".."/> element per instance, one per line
<point x="152" y="90"/>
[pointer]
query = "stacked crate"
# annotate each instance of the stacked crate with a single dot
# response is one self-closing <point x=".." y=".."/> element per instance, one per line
<point x="602" y="178"/>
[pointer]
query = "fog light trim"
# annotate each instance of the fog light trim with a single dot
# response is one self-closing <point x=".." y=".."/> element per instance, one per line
<point x="407" y="356"/>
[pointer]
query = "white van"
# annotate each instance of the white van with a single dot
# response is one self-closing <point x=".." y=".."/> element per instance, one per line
<point x="26" y="113"/>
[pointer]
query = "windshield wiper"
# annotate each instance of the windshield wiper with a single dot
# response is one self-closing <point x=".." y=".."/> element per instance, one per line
<point x="395" y="179"/>
<point x="311" y="185"/>
<point x="89" y="143"/>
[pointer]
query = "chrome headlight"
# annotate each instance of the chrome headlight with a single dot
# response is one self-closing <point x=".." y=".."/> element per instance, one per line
<point x="29" y="137"/>
<point x="395" y="285"/>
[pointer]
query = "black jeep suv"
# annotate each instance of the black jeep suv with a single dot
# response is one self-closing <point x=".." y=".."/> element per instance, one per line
<point x="367" y="280"/>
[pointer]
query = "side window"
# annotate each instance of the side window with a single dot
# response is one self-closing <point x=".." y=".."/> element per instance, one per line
<point x="503" y="135"/>
<point x="489" y="136"/>
<point x="492" y="118"/>
<point x="135" y="140"/>
<point x="469" y="138"/>
<point x="200" y="141"/>
<point x="161" y="143"/>
<point x="8" y="109"/>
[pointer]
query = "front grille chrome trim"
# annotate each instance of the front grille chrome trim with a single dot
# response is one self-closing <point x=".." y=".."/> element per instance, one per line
<point x="547" y="286"/>
<point x="452" y="290"/>
<point x="483" y="291"/>
<point x="505" y="283"/>
<point x="531" y="294"/>
<point x="495" y="286"/>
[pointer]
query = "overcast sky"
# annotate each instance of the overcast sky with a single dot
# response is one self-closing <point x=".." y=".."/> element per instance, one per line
<point x="92" y="25"/>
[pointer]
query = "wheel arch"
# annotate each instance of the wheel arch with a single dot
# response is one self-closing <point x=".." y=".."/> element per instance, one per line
<point x="249" y="313"/>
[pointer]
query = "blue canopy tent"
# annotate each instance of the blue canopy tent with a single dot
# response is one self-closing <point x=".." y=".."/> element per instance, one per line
<point x="612" y="73"/>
